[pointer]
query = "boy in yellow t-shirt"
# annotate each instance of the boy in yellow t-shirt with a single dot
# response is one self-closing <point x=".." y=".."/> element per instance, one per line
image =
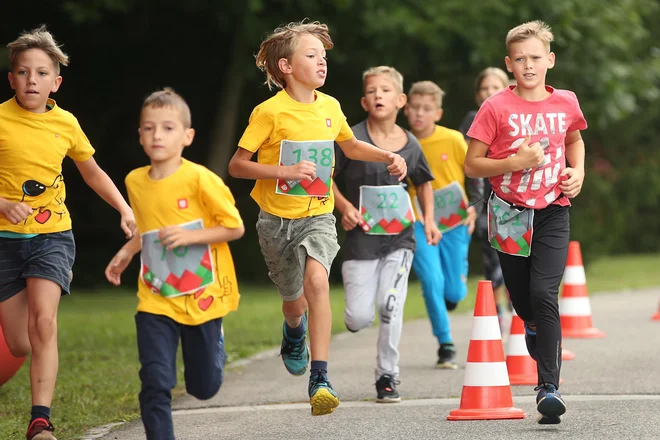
<point x="294" y="133"/>
<point x="185" y="216"/>
<point x="37" y="248"/>
<point x="442" y="269"/>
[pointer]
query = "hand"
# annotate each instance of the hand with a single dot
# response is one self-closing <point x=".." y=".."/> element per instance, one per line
<point x="128" y="223"/>
<point x="303" y="170"/>
<point x="15" y="212"/>
<point x="433" y="234"/>
<point x="571" y="181"/>
<point x="173" y="237"/>
<point x="350" y="218"/>
<point x="397" y="166"/>
<point x="471" y="219"/>
<point x="117" y="266"/>
<point x="529" y="156"/>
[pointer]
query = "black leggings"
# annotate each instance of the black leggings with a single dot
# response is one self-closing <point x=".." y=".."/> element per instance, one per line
<point x="533" y="285"/>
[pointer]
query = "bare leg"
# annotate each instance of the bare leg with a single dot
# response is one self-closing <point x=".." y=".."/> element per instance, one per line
<point x="14" y="323"/>
<point x="317" y="293"/>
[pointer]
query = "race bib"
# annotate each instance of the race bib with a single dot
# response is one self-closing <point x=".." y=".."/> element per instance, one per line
<point x="385" y="210"/>
<point x="321" y="153"/>
<point x="449" y="206"/>
<point x="180" y="271"/>
<point x="510" y="228"/>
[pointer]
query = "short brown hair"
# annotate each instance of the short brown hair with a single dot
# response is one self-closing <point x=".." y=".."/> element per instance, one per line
<point x="38" y="38"/>
<point x="427" y="88"/>
<point x="169" y="98"/>
<point x="281" y="44"/>
<point x="390" y="72"/>
<point x="532" y="29"/>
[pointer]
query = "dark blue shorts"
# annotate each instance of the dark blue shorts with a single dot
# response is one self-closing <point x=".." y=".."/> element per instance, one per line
<point x="46" y="256"/>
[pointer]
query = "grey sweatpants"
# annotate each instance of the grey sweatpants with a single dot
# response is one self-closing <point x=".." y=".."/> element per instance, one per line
<point x="383" y="283"/>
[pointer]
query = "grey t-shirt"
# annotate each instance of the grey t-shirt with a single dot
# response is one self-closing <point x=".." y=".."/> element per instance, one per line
<point x="354" y="173"/>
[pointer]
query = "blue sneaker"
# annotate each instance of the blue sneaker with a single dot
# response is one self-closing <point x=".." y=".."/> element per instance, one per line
<point x="295" y="353"/>
<point x="549" y="404"/>
<point x="530" y="341"/>
<point x="322" y="397"/>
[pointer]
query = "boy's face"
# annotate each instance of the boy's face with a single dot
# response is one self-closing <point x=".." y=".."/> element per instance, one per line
<point x="490" y="85"/>
<point x="529" y="61"/>
<point x="33" y="78"/>
<point x="422" y="112"/>
<point x="381" y="98"/>
<point x="162" y="134"/>
<point x="308" y="64"/>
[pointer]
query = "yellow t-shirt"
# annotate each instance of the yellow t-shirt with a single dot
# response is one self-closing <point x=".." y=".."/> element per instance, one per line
<point x="32" y="148"/>
<point x="282" y="118"/>
<point x="192" y="193"/>
<point x="445" y="151"/>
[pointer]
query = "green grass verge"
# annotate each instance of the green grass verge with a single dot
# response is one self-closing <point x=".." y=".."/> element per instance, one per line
<point x="98" y="377"/>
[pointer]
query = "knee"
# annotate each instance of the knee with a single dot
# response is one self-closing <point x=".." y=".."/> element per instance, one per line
<point x="205" y="392"/>
<point x="19" y="347"/>
<point x="357" y="320"/>
<point x="43" y="327"/>
<point x="316" y="284"/>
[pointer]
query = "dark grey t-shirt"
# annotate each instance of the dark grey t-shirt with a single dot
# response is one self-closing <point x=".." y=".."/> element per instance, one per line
<point x="354" y="173"/>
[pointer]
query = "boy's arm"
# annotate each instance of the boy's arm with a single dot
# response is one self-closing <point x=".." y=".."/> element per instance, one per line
<point x="120" y="261"/>
<point x="174" y="236"/>
<point x="360" y="150"/>
<point x="478" y="165"/>
<point x="573" y="176"/>
<point x="425" y="196"/>
<point x="242" y="167"/>
<point x="101" y="183"/>
<point x="350" y="216"/>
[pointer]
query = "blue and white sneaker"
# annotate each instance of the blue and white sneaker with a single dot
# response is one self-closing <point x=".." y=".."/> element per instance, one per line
<point x="322" y="397"/>
<point x="549" y="404"/>
<point x="294" y="352"/>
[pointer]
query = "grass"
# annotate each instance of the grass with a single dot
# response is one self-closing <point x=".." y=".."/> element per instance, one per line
<point x="98" y="376"/>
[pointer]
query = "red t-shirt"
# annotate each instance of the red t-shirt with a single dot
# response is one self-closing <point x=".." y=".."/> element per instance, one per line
<point x="502" y="123"/>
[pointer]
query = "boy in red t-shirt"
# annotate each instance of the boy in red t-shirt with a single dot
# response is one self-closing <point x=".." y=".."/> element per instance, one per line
<point x="522" y="139"/>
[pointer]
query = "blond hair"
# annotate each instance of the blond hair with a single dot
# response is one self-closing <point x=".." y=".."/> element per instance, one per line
<point x="282" y="43"/>
<point x="38" y="38"/>
<point x="427" y="88"/>
<point x="491" y="71"/>
<point x="532" y="29"/>
<point x="169" y="98"/>
<point x="390" y="72"/>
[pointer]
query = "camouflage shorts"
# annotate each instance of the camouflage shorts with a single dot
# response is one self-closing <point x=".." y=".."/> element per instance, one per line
<point x="286" y="244"/>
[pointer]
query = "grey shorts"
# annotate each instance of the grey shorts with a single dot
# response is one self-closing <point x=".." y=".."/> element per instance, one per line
<point x="286" y="244"/>
<point x="46" y="256"/>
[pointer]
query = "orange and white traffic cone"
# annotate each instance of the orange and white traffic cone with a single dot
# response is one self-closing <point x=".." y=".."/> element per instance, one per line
<point x="520" y="365"/>
<point x="656" y="317"/>
<point x="574" y="306"/>
<point x="486" y="390"/>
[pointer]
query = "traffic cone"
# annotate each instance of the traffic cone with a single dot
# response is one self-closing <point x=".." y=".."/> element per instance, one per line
<point x="519" y="364"/>
<point x="486" y="390"/>
<point x="656" y="317"/>
<point x="566" y="355"/>
<point x="574" y="306"/>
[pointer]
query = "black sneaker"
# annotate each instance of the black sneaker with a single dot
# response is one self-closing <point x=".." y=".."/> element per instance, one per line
<point x="386" y="389"/>
<point x="447" y="357"/>
<point x="549" y="404"/>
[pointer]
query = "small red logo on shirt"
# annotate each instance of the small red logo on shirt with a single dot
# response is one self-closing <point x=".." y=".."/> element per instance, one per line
<point x="328" y="122"/>
<point x="183" y="203"/>
<point x="444" y="157"/>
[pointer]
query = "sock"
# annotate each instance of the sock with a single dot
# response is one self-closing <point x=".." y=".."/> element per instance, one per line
<point x="38" y="412"/>
<point x="318" y="367"/>
<point x="295" y="333"/>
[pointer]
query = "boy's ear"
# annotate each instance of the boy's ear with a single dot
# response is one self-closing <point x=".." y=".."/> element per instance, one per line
<point x="56" y="85"/>
<point x="402" y="101"/>
<point x="363" y="103"/>
<point x="11" y="81"/>
<point x="284" y="65"/>
<point x="190" y="135"/>
<point x="438" y="115"/>
<point x="551" y="58"/>
<point x="507" y="61"/>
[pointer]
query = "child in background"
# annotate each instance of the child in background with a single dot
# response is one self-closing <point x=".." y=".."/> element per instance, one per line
<point x="378" y="255"/>
<point x="489" y="81"/>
